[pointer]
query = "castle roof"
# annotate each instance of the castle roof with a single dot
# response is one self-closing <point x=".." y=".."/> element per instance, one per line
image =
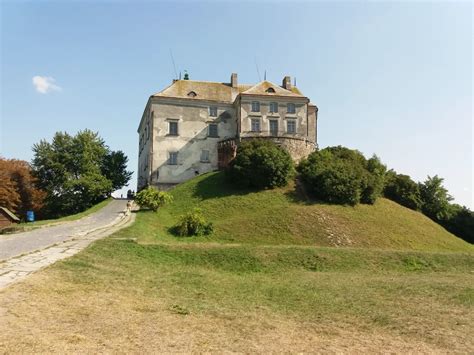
<point x="224" y="92"/>
<point x="265" y="88"/>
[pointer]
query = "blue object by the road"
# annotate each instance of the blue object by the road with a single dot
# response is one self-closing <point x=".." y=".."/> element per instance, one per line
<point x="30" y="216"/>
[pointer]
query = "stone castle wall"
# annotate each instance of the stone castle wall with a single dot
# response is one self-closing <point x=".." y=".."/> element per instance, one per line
<point x="298" y="148"/>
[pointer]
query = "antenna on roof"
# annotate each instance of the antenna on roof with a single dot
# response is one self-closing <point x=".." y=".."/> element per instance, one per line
<point x="295" y="82"/>
<point x="179" y="75"/>
<point x="258" y="72"/>
<point x="174" y="65"/>
<point x="265" y="75"/>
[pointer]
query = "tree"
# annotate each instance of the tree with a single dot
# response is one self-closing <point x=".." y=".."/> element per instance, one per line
<point x="152" y="199"/>
<point x="435" y="199"/>
<point x="461" y="222"/>
<point x="71" y="171"/>
<point x="375" y="178"/>
<point x="403" y="190"/>
<point x="18" y="189"/>
<point x="114" y="168"/>
<point x="260" y="163"/>
<point x="342" y="176"/>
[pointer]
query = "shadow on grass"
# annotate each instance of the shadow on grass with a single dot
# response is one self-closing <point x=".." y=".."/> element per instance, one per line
<point x="216" y="185"/>
<point x="299" y="194"/>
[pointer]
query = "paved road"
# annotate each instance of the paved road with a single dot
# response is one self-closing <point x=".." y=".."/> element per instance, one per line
<point x="27" y="242"/>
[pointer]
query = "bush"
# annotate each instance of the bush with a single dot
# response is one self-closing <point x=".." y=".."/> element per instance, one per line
<point x="403" y="190"/>
<point x="342" y="176"/>
<point x="152" y="199"/>
<point x="262" y="164"/>
<point x="192" y="224"/>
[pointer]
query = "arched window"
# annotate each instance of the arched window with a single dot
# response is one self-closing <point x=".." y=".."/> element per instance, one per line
<point x="270" y="90"/>
<point x="192" y="94"/>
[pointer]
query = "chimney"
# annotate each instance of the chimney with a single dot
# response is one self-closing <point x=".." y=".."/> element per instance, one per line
<point x="233" y="80"/>
<point x="286" y="83"/>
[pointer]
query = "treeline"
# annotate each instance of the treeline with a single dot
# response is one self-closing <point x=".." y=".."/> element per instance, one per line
<point x="344" y="176"/>
<point x="66" y="176"/>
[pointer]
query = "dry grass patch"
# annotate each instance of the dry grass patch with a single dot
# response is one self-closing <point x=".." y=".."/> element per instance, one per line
<point x="119" y="296"/>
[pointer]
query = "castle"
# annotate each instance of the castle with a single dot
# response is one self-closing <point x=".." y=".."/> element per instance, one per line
<point x="192" y="127"/>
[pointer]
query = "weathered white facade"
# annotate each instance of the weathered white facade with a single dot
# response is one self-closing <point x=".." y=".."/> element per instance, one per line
<point x="184" y="125"/>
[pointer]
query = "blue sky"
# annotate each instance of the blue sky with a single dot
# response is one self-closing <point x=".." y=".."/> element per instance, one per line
<point x="391" y="78"/>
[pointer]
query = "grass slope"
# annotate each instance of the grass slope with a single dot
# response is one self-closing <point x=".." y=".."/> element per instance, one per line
<point x="267" y="281"/>
<point x="279" y="217"/>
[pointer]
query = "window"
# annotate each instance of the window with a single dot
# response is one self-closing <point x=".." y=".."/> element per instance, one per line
<point x="173" y="160"/>
<point x="173" y="128"/>
<point x="274" y="127"/>
<point x="270" y="90"/>
<point x="273" y="107"/>
<point x="204" y="156"/>
<point x="255" y="125"/>
<point x="291" y="126"/>
<point x="213" y="132"/>
<point x="213" y="111"/>
<point x="290" y="108"/>
<point x="255" y="106"/>
<point x="192" y="94"/>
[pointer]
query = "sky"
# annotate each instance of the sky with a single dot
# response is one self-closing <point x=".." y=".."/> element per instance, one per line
<point x="390" y="78"/>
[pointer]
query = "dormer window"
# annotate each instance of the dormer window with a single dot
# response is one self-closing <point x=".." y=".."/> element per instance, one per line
<point x="270" y="90"/>
<point x="192" y="94"/>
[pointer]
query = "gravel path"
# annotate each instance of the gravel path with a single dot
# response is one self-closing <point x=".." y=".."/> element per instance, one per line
<point x="25" y="253"/>
<point x="27" y="242"/>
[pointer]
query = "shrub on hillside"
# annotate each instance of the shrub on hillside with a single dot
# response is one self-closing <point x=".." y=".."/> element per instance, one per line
<point x="262" y="164"/>
<point x="402" y="189"/>
<point x="152" y="199"/>
<point x="192" y="224"/>
<point x="342" y="176"/>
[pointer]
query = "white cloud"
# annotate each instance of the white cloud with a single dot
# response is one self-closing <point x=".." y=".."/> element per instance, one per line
<point x="45" y="84"/>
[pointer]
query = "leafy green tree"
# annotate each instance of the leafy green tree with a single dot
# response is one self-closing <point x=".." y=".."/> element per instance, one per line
<point x="374" y="180"/>
<point x="114" y="168"/>
<point x="435" y="199"/>
<point x="261" y="164"/>
<point x="403" y="190"/>
<point x="70" y="171"/>
<point x="461" y="222"/>
<point x="153" y="199"/>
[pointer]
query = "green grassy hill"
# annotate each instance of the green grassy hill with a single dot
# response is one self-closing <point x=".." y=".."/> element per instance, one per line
<point x="279" y="216"/>
<point x="279" y="274"/>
